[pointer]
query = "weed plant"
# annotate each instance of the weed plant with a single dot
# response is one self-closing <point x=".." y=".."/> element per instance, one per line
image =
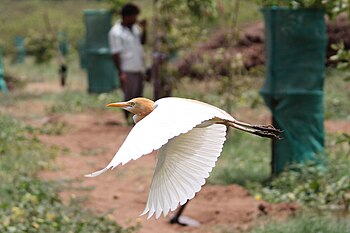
<point x="325" y="185"/>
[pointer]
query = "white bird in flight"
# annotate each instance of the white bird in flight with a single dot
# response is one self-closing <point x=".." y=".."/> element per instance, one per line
<point x="189" y="136"/>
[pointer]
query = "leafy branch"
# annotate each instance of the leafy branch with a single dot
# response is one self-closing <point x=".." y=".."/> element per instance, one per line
<point x="331" y="7"/>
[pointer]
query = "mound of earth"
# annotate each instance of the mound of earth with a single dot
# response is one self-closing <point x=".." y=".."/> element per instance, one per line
<point x="251" y="46"/>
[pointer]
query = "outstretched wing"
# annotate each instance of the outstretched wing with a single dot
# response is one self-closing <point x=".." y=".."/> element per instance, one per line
<point x="182" y="166"/>
<point x="170" y="118"/>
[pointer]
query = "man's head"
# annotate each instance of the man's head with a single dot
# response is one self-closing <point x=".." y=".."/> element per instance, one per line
<point x="129" y="14"/>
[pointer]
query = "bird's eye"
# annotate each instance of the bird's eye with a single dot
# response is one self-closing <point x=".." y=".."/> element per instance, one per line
<point x="132" y="104"/>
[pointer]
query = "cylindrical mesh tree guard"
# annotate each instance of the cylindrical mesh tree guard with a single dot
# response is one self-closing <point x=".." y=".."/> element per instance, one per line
<point x="62" y="43"/>
<point x="82" y="53"/>
<point x="102" y="73"/>
<point x="3" y="86"/>
<point x="295" y="43"/>
<point x="20" y="50"/>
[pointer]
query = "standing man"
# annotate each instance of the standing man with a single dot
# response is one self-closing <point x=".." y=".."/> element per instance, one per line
<point x="126" y="40"/>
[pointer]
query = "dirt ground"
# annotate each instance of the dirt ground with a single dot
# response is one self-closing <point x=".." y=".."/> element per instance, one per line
<point x="91" y="140"/>
<point x="89" y="143"/>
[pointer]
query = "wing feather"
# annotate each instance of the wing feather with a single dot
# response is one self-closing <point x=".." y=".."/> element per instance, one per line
<point x="171" y="117"/>
<point x="182" y="168"/>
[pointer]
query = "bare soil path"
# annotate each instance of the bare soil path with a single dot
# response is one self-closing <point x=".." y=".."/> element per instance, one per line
<point x="91" y="140"/>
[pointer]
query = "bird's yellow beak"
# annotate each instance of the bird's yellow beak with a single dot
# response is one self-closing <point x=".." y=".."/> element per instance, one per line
<point x="119" y="105"/>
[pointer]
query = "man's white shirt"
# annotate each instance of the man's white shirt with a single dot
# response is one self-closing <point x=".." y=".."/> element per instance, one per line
<point x="127" y="43"/>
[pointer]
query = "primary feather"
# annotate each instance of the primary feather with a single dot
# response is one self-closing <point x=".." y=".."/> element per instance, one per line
<point x="182" y="167"/>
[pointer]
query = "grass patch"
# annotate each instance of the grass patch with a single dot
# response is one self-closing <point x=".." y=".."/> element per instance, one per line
<point x="78" y="101"/>
<point x="22" y="17"/>
<point x="306" y="224"/>
<point x="29" y="204"/>
<point x="72" y="99"/>
<point x="25" y="17"/>
<point x="244" y="159"/>
<point x="29" y="71"/>
<point x="337" y="95"/>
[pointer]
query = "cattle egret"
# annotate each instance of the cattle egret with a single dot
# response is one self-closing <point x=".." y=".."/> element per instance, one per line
<point x="189" y="135"/>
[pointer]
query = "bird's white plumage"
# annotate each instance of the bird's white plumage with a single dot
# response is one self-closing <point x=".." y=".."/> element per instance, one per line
<point x="182" y="167"/>
<point x="170" y="118"/>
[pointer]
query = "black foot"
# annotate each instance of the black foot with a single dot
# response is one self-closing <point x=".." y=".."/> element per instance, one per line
<point x="267" y="131"/>
<point x="268" y="128"/>
<point x="184" y="221"/>
<point x="267" y="134"/>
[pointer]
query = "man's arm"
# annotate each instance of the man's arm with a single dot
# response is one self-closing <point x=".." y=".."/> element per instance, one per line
<point x="117" y="61"/>
<point x="143" y="25"/>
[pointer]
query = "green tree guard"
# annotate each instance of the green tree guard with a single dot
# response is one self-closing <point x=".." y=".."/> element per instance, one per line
<point x="296" y="51"/>
<point x="63" y="44"/>
<point x="102" y="75"/>
<point x="3" y="86"/>
<point x="20" y="50"/>
<point x="82" y="54"/>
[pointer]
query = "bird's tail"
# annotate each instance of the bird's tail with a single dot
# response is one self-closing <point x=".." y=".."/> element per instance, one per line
<point x="268" y="131"/>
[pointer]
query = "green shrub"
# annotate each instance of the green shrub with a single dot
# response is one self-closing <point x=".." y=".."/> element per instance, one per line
<point x="42" y="46"/>
<point x="311" y="184"/>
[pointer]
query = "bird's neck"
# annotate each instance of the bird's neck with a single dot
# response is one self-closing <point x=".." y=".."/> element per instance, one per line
<point x="137" y="118"/>
<point x="143" y="112"/>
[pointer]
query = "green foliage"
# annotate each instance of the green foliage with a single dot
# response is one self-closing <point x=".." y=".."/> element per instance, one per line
<point x="20" y="152"/>
<point x="331" y="7"/>
<point x="318" y="185"/>
<point x="337" y="95"/>
<point x="116" y="5"/>
<point x="22" y="17"/>
<point x="244" y="159"/>
<point x="30" y="71"/>
<point x="28" y="204"/>
<point x="176" y="32"/>
<point x="201" y="7"/>
<point x="43" y="46"/>
<point x="31" y="205"/>
<point x="50" y="128"/>
<point x="306" y="223"/>
<point x="77" y="101"/>
<point x="342" y="58"/>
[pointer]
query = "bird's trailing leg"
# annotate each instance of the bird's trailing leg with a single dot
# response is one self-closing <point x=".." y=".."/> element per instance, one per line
<point x="183" y="220"/>
<point x="261" y="130"/>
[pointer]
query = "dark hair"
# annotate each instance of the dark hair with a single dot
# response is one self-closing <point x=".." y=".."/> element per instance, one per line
<point x="129" y="9"/>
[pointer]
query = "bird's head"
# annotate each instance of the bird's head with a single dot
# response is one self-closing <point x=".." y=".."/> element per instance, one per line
<point x="141" y="107"/>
